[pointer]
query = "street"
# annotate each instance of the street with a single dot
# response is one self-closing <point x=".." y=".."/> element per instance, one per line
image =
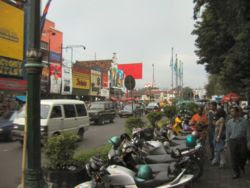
<point x="11" y="152"/>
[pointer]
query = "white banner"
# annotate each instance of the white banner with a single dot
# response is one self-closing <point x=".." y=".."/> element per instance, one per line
<point x="105" y="93"/>
<point x="66" y="80"/>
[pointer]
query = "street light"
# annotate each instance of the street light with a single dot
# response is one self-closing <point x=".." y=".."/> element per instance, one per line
<point x="71" y="47"/>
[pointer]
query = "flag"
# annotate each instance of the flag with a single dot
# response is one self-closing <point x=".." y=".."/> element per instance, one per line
<point x="43" y="18"/>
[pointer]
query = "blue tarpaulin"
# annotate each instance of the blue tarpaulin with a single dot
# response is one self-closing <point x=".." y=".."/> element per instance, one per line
<point x="21" y="98"/>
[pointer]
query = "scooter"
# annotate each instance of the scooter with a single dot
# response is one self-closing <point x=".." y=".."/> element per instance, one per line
<point x="118" y="176"/>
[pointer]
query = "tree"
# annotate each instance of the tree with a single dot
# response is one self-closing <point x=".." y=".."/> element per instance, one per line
<point x="187" y="93"/>
<point x="223" y="39"/>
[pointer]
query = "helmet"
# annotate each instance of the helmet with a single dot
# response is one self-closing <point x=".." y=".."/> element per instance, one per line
<point x="145" y="172"/>
<point x="190" y="141"/>
<point x="115" y="141"/>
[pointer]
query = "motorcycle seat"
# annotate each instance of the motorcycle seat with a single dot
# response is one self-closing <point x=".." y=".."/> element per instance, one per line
<point x="160" y="167"/>
<point x="152" y="159"/>
<point x="158" y="179"/>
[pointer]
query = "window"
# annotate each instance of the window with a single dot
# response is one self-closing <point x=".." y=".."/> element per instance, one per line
<point x="69" y="110"/>
<point x="81" y="110"/>
<point x="56" y="112"/>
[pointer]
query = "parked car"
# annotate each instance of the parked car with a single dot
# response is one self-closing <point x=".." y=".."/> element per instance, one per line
<point x="101" y="112"/>
<point x="57" y="115"/>
<point x="6" y="125"/>
<point x="152" y="106"/>
<point x="130" y="110"/>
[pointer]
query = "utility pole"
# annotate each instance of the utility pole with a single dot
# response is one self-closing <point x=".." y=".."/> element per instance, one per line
<point x="33" y="67"/>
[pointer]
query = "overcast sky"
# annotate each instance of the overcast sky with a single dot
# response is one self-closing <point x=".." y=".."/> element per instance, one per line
<point x="137" y="30"/>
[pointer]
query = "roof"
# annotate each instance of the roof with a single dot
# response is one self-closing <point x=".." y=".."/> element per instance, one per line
<point x="60" y="101"/>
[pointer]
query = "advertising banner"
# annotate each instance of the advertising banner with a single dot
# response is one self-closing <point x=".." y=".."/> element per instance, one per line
<point x="45" y="80"/>
<point x="116" y="78"/>
<point x="105" y="80"/>
<point x="81" y="78"/>
<point x="66" y="80"/>
<point x="10" y="67"/>
<point x="55" y="77"/>
<point x="11" y="31"/>
<point x="95" y="83"/>
<point x="55" y="57"/>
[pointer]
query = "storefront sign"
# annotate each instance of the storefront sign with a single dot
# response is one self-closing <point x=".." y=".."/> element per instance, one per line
<point x="11" y="31"/>
<point x="105" y="93"/>
<point x="13" y="84"/>
<point x="55" y="57"/>
<point x="81" y="78"/>
<point x="10" y="67"/>
<point x="55" y="77"/>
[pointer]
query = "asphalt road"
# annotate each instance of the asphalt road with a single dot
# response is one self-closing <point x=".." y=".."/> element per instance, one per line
<point x="11" y="152"/>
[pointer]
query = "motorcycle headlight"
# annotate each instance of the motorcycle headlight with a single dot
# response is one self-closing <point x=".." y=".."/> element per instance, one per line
<point x="1" y="129"/>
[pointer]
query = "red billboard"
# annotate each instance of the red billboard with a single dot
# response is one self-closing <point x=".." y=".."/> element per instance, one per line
<point x="105" y="80"/>
<point x="13" y="84"/>
<point x="133" y="69"/>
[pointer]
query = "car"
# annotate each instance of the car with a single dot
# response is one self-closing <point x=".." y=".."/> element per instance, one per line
<point x="152" y="106"/>
<point x="101" y="112"/>
<point x="130" y="110"/>
<point x="6" y="125"/>
<point x="56" y="116"/>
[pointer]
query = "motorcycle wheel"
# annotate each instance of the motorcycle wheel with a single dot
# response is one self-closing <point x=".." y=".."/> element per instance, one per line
<point x="195" y="167"/>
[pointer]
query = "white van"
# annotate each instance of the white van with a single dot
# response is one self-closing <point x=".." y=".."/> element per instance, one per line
<point x="57" y="115"/>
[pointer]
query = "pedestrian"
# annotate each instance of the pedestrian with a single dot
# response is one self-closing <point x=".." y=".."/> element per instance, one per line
<point x="237" y="138"/>
<point x="211" y="127"/>
<point x="219" y="138"/>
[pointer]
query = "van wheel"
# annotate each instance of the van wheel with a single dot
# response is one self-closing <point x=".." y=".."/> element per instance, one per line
<point x="56" y="134"/>
<point x="80" y="134"/>
<point x="101" y="121"/>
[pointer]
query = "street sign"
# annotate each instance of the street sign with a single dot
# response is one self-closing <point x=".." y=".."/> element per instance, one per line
<point x="129" y="82"/>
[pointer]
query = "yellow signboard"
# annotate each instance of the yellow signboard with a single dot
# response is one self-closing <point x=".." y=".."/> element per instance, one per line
<point x="81" y="79"/>
<point x="11" y="31"/>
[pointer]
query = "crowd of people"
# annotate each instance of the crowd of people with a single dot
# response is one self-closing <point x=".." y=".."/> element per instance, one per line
<point x="223" y="131"/>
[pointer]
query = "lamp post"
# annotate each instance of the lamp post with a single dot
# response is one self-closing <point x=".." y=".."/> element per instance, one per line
<point x="33" y="66"/>
<point x="71" y="47"/>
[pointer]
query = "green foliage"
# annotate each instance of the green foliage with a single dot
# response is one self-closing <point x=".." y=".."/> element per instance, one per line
<point x="133" y="122"/>
<point x="82" y="156"/>
<point x="153" y="117"/>
<point x="59" y="151"/>
<point x="163" y="122"/>
<point x="170" y="111"/>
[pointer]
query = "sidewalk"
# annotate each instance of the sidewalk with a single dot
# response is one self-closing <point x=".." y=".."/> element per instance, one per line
<point x="213" y="177"/>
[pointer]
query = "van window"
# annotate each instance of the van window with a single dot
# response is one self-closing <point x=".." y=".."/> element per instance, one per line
<point x="69" y="110"/>
<point x="81" y="110"/>
<point x="44" y="112"/>
<point x="56" y="112"/>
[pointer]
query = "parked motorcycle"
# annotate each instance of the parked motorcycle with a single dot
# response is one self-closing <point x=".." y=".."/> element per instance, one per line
<point x="107" y="176"/>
